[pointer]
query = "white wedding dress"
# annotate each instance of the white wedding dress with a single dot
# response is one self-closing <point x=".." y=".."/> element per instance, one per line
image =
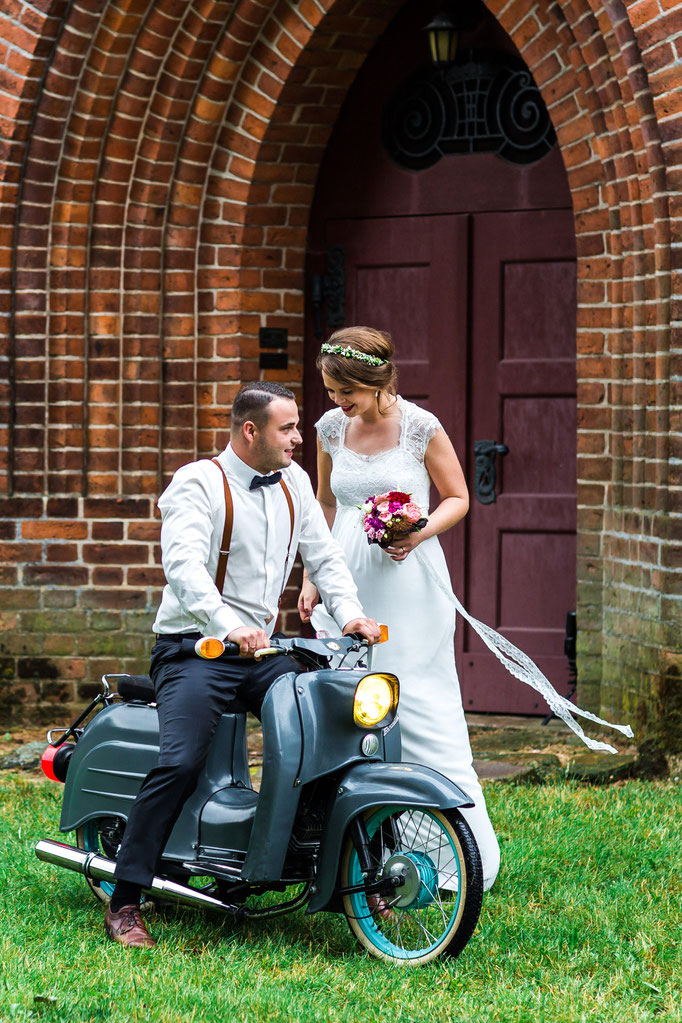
<point x="419" y="614"/>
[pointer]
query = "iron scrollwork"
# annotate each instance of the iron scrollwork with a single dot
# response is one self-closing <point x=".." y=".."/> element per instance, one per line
<point x="484" y="102"/>
<point x="330" y="289"/>
<point x="485" y="472"/>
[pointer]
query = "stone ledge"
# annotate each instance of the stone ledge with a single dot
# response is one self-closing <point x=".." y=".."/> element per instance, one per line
<point x="601" y="768"/>
<point x="25" y="757"/>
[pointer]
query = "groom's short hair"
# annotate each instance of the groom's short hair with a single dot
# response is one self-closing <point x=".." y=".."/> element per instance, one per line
<point x="252" y="401"/>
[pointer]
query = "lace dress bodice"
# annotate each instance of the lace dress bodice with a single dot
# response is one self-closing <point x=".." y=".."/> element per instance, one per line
<point x="355" y="476"/>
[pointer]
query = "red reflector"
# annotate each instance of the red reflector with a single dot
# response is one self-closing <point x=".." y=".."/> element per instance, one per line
<point x="46" y="762"/>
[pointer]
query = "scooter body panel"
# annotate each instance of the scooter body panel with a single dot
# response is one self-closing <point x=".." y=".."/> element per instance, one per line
<point x="369" y="785"/>
<point x="331" y="739"/>
<point x="308" y="732"/>
<point x="119" y="748"/>
<point x="112" y="757"/>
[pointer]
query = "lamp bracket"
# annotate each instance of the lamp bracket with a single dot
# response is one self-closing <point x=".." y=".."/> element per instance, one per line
<point x="486" y="101"/>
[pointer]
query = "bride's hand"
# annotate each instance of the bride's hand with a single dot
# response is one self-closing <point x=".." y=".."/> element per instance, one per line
<point x="399" y="549"/>
<point x="307" y="600"/>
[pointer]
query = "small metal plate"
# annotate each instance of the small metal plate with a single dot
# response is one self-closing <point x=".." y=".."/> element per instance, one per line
<point x="370" y="744"/>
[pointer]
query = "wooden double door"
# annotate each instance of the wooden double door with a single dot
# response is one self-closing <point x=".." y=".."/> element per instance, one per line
<point x="481" y="306"/>
<point x="469" y="262"/>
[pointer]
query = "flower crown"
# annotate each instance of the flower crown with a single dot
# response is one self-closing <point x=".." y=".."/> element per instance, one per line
<point x="353" y="353"/>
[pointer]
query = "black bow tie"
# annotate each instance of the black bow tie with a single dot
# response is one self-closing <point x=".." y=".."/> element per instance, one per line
<point x="265" y="481"/>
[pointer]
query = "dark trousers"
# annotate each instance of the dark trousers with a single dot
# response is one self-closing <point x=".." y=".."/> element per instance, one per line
<point x="191" y="694"/>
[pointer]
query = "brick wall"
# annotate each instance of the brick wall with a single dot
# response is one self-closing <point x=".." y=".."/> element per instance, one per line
<point x="159" y="162"/>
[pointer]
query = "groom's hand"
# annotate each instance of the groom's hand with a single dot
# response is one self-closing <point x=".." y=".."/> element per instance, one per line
<point x="307" y="600"/>
<point x="365" y="627"/>
<point x="249" y="640"/>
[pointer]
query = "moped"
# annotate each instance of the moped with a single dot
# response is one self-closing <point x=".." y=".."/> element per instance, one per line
<point x="339" y="823"/>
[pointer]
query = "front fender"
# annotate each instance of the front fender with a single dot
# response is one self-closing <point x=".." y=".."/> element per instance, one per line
<point x="370" y="785"/>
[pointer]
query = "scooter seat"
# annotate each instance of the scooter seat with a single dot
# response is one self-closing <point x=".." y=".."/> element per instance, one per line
<point x="136" y="687"/>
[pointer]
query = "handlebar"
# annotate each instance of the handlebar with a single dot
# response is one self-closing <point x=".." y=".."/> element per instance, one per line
<point x="310" y="650"/>
<point x="316" y="652"/>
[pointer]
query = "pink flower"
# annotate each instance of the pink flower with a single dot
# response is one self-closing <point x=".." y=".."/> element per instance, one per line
<point x="412" y="512"/>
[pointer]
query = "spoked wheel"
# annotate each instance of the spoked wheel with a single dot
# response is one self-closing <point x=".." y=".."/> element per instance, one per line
<point x="103" y="836"/>
<point x="433" y="908"/>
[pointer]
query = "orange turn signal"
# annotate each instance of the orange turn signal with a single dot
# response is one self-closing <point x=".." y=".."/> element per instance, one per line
<point x="383" y="629"/>
<point x="209" y="647"/>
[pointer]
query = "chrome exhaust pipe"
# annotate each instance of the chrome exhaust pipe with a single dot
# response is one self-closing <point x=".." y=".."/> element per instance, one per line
<point x="99" y="868"/>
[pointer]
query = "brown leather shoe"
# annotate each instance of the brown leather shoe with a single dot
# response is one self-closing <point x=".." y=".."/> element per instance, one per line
<point x="127" y="927"/>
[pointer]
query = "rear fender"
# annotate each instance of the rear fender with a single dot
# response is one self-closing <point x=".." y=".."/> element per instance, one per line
<point x="369" y="785"/>
<point x="119" y="748"/>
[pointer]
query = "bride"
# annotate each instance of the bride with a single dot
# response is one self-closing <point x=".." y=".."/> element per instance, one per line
<point x="372" y="442"/>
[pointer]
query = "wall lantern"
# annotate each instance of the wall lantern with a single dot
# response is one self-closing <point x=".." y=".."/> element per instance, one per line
<point x="442" y="40"/>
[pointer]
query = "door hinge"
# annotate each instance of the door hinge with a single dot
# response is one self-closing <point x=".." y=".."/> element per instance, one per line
<point x="330" y="289"/>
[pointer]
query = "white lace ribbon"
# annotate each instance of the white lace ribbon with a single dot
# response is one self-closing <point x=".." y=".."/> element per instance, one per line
<point x="523" y="668"/>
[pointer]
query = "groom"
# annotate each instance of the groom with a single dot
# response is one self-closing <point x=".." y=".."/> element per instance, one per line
<point x="233" y="595"/>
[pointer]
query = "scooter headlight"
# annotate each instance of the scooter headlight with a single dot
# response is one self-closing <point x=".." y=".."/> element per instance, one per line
<point x="376" y="700"/>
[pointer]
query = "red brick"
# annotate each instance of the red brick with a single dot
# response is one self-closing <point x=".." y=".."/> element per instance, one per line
<point x="115" y="554"/>
<point x="48" y="529"/>
<point x="58" y="575"/>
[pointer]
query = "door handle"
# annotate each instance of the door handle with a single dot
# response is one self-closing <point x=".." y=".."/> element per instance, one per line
<point x="485" y="472"/>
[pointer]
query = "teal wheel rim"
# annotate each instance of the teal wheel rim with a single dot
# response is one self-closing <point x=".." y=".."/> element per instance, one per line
<point x="428" y="920"/>
<point x="92" y="843"/>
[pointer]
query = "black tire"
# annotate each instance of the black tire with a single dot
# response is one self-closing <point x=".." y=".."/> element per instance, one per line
<point x="426" y="917"/>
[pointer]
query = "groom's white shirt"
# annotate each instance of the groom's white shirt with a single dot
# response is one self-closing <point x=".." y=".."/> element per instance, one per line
<point x="193" y="515"/>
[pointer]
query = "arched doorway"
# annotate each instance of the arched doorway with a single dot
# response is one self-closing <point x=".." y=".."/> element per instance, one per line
<point x="469" y="261"/>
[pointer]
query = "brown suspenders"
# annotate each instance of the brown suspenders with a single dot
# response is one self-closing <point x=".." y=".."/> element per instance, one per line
<point x="227" y="532"/>
<point x="290" y="505"/>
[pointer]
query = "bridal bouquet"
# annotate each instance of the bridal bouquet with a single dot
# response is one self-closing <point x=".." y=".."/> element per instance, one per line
<point x="387" y="517"/>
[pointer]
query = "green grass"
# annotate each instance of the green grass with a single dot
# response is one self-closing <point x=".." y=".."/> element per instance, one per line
<point x="583" y="926"/>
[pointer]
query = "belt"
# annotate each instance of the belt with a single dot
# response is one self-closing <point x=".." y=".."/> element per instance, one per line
<point x="178" y="636"/>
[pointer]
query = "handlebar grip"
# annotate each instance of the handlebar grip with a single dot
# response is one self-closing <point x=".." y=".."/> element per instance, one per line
<point x="266" y="651"/>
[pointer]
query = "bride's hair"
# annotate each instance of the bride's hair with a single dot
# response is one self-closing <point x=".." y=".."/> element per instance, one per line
<point x="356" y="372"/>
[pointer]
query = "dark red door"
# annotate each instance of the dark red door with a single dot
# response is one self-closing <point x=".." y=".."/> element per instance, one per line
<point x="470" y="264"/>
<point x="482" y="309"/>
<point x="521" y="550"/>
<point x="409" y="276"/>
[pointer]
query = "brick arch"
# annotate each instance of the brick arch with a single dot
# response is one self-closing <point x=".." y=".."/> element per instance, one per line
<point x="171" y="152"/>
<point x="257" y="199"/>
<point x="28" y="46"/>
<point x="275" y="130"/>
<point x="133" y="171"/>
<point x="151" y="130"/>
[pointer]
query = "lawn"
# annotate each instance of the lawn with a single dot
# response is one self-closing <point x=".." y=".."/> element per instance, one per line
<point x="583" y="926"/>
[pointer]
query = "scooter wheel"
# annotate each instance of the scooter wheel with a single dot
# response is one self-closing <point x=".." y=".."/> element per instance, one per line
<point x="102" y="835"/>
<point x="434" y="907"/>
